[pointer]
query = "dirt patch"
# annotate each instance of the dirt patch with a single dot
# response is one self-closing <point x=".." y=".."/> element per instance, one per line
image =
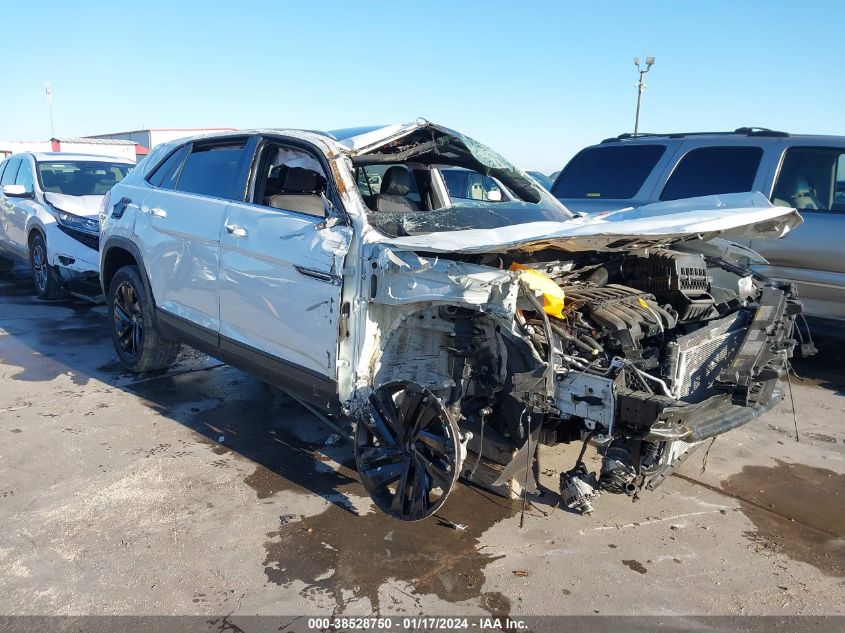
<point x="636" y="565"/>
<point x="798" y="511"/>
<point x="350" y="557"/>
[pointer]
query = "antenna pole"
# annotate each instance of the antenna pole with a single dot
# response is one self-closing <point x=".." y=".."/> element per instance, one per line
<point x="49" y="91"/>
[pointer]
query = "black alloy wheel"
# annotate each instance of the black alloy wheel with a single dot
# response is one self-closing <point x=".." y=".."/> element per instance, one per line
<point x="407" y="450"/>
<point x="137" y="339"/>
<point x="128" y="320"/>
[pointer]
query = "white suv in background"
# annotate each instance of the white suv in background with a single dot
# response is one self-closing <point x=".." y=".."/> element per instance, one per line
<point x="49" y="204"/>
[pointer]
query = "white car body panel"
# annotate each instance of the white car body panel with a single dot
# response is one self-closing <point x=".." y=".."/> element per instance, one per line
<point x="280" y="284"/>
<point x="181" y="253"/>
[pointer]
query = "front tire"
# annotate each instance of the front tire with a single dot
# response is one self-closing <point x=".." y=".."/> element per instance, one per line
<point x="47" y="284"/>
<point x="137" y="341"/>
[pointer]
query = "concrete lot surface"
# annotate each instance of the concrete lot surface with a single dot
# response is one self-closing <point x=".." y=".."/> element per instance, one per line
<point x="202" y="491"/>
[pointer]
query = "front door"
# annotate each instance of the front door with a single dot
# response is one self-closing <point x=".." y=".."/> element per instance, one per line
<point x="7" y="205"/>
<point x="281" y="274"/>
<point x="21" y="208"/>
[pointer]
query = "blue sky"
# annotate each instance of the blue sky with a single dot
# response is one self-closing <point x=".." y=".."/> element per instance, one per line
<point x="535" y="80"/>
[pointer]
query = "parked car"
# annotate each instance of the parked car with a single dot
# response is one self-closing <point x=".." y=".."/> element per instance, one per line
<point x="541" y="178"/>
<point x="802" y="171"/>
<point x="458" y="332"/>
<point x="48" y="217"/>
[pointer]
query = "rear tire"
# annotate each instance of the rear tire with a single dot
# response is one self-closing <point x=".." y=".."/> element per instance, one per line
<point x="137" y="341"/>
<point x="47" y="284"/>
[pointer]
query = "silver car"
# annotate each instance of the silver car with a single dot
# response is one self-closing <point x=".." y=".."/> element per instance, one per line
<point x="800" y="171"/>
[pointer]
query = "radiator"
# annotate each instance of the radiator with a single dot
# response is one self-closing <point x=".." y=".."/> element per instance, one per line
<point x="695" y="360"/>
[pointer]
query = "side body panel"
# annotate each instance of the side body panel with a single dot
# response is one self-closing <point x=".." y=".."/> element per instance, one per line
<point x="280" y="284"/>
<point x="179" y="238"/>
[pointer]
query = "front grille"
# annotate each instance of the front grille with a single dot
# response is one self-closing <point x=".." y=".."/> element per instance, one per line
<point x="695" y="360"/>
<point x="89" y="240"/>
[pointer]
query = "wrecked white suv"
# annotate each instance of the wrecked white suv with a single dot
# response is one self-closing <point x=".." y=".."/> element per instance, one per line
<point x="459" y="330"/>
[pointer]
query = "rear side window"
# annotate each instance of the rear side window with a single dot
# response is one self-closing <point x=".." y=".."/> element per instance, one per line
<point x="708" y="171"/>
<point x="10" y="172"/>
<point x="167" y="173"/>
<point x="811" y="179"/>
<point x="212" y="170"/>
<point x="617" y="171"/>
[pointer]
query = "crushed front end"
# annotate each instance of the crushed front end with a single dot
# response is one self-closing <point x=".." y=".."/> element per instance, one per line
<point x="637" y="352"/>
<point x="488" y="320"/>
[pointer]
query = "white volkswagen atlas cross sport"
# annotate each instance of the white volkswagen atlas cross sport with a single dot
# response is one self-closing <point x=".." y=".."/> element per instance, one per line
<point x="48" y="217"/>
<point x="458" y="329"/>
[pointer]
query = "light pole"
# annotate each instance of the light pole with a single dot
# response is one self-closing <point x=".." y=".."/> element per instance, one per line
<point x="49" y="91"/>
<point x="649" y="62"/>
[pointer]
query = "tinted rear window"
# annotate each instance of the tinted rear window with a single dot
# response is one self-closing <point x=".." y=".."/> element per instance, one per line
<point x="212" y="171"/>
<point x="712" y="170"/>
<point x="167" y="173"/>
<point x="607" y="172"/>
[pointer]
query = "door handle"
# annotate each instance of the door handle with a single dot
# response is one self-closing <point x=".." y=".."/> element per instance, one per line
<point x="235" y="230"/>
<point x="158" y="213"/>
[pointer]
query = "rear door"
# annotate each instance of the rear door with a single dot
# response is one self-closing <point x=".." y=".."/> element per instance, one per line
<point x="811" y="179"/>
<point x="281" y="272"/>
<point x="180" y="223"/>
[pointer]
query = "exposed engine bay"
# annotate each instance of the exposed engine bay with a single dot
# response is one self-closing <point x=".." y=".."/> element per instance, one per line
<point x="487" y="321"/>
<point x="637" y="352"/>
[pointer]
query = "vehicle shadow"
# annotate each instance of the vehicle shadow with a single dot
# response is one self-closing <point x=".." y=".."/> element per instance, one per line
<point x="229" y="410"/>
<point x="827" y="367"/>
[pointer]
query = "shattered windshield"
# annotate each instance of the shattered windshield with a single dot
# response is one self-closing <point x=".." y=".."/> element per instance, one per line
<point x="434" y="180"/>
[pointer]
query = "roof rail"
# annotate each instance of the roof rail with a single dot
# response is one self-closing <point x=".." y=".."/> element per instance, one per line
<point x="748" y="131"/>
<point x="629" y="135"/>
<point x="759" y="131"/>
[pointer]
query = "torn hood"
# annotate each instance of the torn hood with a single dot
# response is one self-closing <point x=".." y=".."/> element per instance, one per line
<point x="740" y="215"/>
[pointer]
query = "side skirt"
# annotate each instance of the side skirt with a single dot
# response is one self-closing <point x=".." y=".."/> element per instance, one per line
<point x="302" y="383"/>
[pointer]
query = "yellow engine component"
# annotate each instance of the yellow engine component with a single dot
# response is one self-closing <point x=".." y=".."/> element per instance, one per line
<point x="545" y="285"/>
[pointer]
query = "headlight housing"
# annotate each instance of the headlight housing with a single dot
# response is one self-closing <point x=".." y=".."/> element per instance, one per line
<point x="76" y="222"/>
